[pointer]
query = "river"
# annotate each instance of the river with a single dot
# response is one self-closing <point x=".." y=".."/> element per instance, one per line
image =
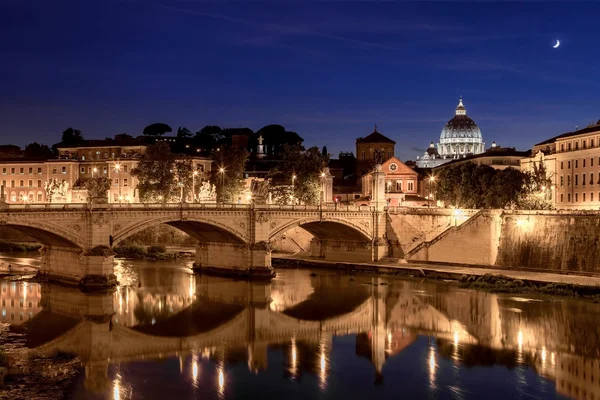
<point x="168" y="334"/>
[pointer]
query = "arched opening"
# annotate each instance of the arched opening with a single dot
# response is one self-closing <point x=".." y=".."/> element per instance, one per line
<point x="334" y="240"/>
<point x="26" y="237"/>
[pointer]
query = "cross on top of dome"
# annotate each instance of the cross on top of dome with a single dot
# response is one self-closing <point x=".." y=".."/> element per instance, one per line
<point x="460" y="109"/>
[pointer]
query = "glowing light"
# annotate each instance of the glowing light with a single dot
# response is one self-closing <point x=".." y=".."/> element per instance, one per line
<point x="323" y="365"/>
<point x="543" y="355"/>
<point x="117" y="167"/>
<point x="322" y="174"/>
<point x="432" y="366"/>
<point x="221" y="374"/>
<point x="195" y="369"/>
<point x="544" y="188"/>
<point x="552" y="359"/>
<point x="195" y="173"/>
<point x="293" y="177"/>
<point x="456" y="338"/>
<point x="294" y="366"/>
<point x="520" y="338"/>
<point x="24" y="293"/>
<point x="117" y="389"/>
<point x="432" y="179"/>
<point x="95" y="169"/>
<point x="221" y="170"/>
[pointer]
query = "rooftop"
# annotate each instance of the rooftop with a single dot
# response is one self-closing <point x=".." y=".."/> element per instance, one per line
<point x="375" y="137"/>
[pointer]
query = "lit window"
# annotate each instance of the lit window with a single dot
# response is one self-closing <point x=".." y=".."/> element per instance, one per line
<point x="124" y="182"/>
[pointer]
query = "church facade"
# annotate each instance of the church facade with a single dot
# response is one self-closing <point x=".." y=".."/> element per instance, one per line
<point x="460" y="137"/>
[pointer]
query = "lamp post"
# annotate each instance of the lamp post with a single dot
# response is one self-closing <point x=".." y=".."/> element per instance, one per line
<point x="94" y="170"/>
<point x="293" y="191"/>
<point x="194" y="174"/>
<point x="322" y="188"/>
<point x="117" y="170"/>
<point x="222" y="172"/>
<point x="431" y="179"/>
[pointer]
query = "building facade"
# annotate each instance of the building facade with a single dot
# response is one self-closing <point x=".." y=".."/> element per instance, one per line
<point x="460" y="138"/>
<point x="371" y="150"/>
<point x="400" y="182"/>
<point x="572" y="162"/>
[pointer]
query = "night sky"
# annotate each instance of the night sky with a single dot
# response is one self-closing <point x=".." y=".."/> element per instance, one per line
<point x="328" y="71"/>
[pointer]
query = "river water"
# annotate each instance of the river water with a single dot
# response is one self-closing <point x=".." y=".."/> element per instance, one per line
<point x="169" y="334"/>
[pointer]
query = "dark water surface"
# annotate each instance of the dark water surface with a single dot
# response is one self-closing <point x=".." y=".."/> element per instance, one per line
<point x="169" y="334"/>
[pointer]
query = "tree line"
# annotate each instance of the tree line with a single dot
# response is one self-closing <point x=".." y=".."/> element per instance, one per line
<point x="480" y="186"/>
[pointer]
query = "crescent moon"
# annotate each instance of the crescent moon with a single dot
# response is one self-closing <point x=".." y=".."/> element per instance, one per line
<point x="557" y="44"/>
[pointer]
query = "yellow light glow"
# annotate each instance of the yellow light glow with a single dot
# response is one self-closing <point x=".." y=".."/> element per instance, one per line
<point x="221" y="170"/>
<point x="543" y="355"/>
<point x="322" y="174"/>
<point x="456" y="338"/>
<point x="221" y="380"/>
<point x="294" y="366"/>
<point x="432" y="179"/>
<point x="117" y="389"/>
<point x="195" y="173"/>
<point x="520" y="338"/>
<point x="117" y="167"/>
<point x="95" y="169"/>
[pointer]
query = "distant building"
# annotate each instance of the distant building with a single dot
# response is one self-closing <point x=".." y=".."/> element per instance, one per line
<point x="572" y="162"/>
<point x="496" y="157"/>
<point x="400" y="183"/>
<point x="460" y="138"/>
<point x="370" y="150"/>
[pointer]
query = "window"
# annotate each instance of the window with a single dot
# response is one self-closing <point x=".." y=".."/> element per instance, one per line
<point x="584" y="144"/>
<point x="3" y="171"/>
<point x="576" y="145"/>
<point x="21" y="171"/>
<point x="562" y="180"/>
<point x="30" y="183"/>
<point x="40" y="198"/>
<point x="569" y="146"/>
<point x="54" y="171"/>
<point x="89" y="170"/>
<point x="591" y="143"/>
<point x="399" y="186"/>
<point x="125" y="168"/>
<point x="584" y="163"/>
<point x="4" y="183"/>
<point x="82" y="158"/>
<point x="39" y="170"/>
<point x="561" y="165"/>
<point x="30" y="170"/>
<point x="13" y="196"/>
<point x="362" y="156"/>
<point x="583" y="179"/>
<point x="576" y="197"/>
<point x="21" y="183"/>
<point x="116" y="182"/>
<point x="201" y="167"/>
<point x="591" y="178"/>
<point x="592" y="196"/>
<point x="576" y="179"/>
<point x="410" y="186"/>
<point x="39" y="183"/>
<point x="576" y="163"/>
<point x="389" y="154"/>
<point x="562" y="147"/>
<point x="568" y="180"/>
<point x="104" y="170"/>
<point x="584" y="196"/>
<point x="12" y="184"/>
<point x="124" y="182"/>
<point x="64" y="170"/>
<point x="592" y="162"/>
<point x="568" y="164"/>
<point x="105" y="155"/>
<point x="12" y="171"/>
<point x="82" y="170"/>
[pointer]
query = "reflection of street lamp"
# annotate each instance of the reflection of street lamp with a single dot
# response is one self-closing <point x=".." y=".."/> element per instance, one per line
<point x="431" y="179"/>
<point x="222" y="172"/>
<point x="194" y="174"/>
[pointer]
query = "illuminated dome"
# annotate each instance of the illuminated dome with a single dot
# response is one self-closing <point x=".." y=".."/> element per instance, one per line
<point x="460" y="136"/>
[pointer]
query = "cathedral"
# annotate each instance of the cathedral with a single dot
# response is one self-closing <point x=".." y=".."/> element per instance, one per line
<point x="460" y="137"/>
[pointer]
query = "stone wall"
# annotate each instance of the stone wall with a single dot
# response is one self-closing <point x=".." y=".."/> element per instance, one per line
<point x="292" y="241"/>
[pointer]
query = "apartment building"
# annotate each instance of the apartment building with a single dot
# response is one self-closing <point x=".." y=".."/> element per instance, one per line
<point x="24" y="180"/>
<point x="572" y="161"/>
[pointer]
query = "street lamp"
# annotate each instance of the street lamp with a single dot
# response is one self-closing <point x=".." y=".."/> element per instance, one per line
<point x="194" y="174"/>
<point x="222" y="172"/>
<point x="94" y="170"/>
<point x="322" y="188"/>
<point x="293" y="191"/>
<point x="117" y="170"/>
<point x="431" y="180"/>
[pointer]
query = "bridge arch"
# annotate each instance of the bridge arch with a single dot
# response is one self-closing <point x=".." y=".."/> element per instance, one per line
<point x="201" y="229"/>
<point x="48" y="234"/>
<point x="332" y="229"/>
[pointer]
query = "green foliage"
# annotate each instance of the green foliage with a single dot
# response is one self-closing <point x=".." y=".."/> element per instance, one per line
<point x="97" y="186"/>
<point x="307" y="166"/>
<point x="276" y="137"/>
<point x="183" y="133"/>
<point x="14" y="246"/>
<point x="37" y="150"/>
<point x="538" y="189"/>
<point x="157" y="249"/>
<point x="480" y="186"/>
<point x="71" y="137"/>
<point x="229" y="183"/>
<point x="157" y="129"/>
<point x="131" y="251"/>
<point x="162" y="175"/>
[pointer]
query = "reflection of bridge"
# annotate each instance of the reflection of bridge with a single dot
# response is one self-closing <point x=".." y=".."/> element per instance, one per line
<point x="219" y="316"/>
<point x="231" y="238"/>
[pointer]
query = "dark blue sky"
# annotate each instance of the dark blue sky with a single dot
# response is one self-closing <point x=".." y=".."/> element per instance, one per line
<point x="328" y="71"/>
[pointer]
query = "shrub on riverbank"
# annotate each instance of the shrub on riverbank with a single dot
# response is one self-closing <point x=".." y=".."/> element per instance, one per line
<point x="505" y="284"/>
<point x="157" y="249"/>
<point x="136" y="251"/>
<point x="8" y="246"/>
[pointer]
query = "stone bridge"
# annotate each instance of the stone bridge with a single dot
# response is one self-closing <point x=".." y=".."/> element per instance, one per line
<point x="232" y="239"/>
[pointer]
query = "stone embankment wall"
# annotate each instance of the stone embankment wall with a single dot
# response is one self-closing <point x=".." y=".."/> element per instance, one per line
<point x="548" y="240"/>
<point x="293" y="241"/>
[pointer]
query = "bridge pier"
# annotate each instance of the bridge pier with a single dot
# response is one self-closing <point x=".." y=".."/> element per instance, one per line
<point x="233" y="259"/>
<point x="89" y="269"/>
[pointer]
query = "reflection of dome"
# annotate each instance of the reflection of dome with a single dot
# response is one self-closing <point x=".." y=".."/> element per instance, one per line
<point x="460" y="126"/>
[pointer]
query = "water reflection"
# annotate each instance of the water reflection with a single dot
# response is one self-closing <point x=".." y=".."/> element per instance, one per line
<point x="205" y="329"/>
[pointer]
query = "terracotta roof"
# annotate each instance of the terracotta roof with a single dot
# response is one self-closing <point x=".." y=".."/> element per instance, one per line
<point x="375" y="137"/>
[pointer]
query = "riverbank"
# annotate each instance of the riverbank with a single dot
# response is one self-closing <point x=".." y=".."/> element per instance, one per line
<point x="495" y="280"/>
<point x="151" y="253"/>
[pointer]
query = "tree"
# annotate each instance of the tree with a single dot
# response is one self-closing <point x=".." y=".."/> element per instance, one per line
<point x="306" y="166"/>
<point x="37" y="150"/>
<point x="276" y="137"/>
<point x="156" y="174"/>
<point x="227" y="172"/>
<point x="71" y="137"/>
<point x="157" y="129"/>
<point x="97" y="187"/>
<point x="507" y="189"/>
<point x="537" y="193"/>
<point x="183" y="133"/>
<point x="325" y="153"/>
